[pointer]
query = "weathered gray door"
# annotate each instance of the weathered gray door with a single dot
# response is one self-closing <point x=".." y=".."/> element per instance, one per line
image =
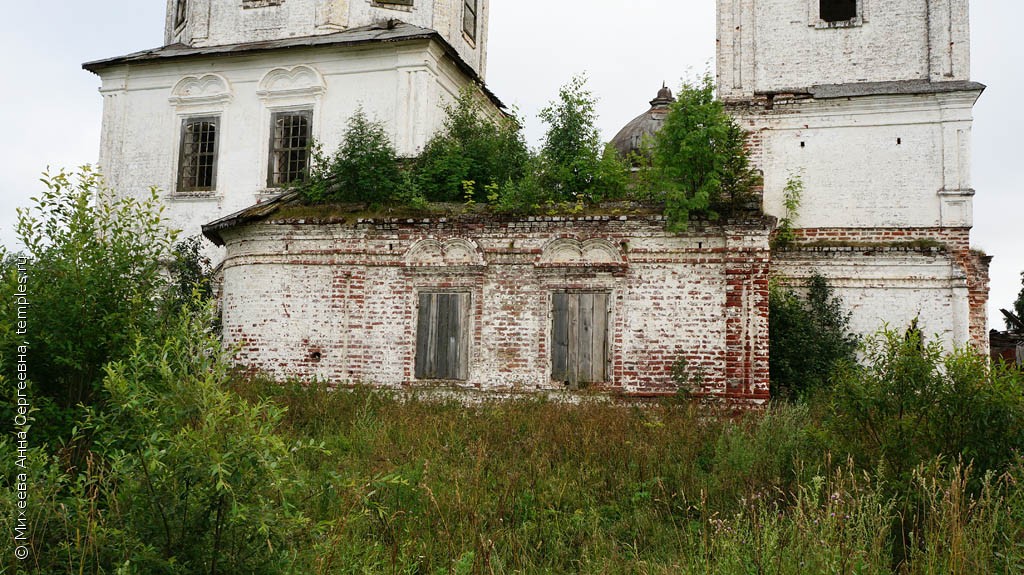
<point x="579" y="337"/>
<point x="442" y="336"/>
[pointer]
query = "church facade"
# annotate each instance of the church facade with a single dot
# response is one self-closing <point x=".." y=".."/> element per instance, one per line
<point x="868" y="103"/>
<point x="222" y="116"/>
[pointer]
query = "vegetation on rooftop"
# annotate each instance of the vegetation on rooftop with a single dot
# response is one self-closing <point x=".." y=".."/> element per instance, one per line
<point x="698" y="164"/>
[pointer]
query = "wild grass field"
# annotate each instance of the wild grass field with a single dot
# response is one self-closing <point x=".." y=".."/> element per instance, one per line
<point x="192" y="469"/>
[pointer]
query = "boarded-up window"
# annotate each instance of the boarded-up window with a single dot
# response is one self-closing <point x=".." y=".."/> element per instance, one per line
<point x="442" y="336"/>
<point x="290" y="139"/>
<point x="197" y="161"/>
<point x="579" y="337"/>
<point x="469" y="18"/>
<point x="838" y="10"/>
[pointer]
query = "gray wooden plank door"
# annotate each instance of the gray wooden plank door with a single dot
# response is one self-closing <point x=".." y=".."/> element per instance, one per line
<point x="579" y="337"/>
<point x="442" y="336"/>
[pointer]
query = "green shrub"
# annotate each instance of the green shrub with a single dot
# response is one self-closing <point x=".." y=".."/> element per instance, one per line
<point x="1018" y="307"/>
<point x="808" y="338"/>
<point x="910" y="402"/>
<point x="470" y="148"/>
<point x="96" y="278"/>
<point x="182" y="476"/>
<point x="364" y="169"/>
<point x="190" y="273"/>
<point x="699" y="160"/>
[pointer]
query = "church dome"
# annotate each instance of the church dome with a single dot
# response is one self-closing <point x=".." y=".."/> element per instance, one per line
<point x="631" y="136"/>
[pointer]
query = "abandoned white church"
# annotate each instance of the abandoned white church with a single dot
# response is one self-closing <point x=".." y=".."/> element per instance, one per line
<point x="869" y="100"/>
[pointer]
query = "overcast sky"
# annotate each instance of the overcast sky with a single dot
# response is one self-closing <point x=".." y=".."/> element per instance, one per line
<point x="626" y="48"/>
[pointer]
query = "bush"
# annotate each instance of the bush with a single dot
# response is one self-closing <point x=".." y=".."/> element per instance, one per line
<point x="190" y="273"/>
<point x="470" y="148"/>
<point x="182" y="475"/>
<point x="96" y="278"/>
<point x="808" y="338"/>
<point x="910" y="403"/>
<point x="1018" y="307"/>
<point x="699" y="160"/>
<point x="364" y="169"/>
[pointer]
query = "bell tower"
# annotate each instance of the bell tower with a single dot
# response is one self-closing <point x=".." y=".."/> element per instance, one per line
<point x="868" y="104"/>
<point x="204" y="23"/>
<point x="767" y="46"/>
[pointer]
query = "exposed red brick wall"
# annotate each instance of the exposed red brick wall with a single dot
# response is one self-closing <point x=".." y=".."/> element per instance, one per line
<point x="337" y="301"/>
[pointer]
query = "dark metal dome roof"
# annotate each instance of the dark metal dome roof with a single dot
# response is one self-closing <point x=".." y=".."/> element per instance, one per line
<point x="631" y="136"/>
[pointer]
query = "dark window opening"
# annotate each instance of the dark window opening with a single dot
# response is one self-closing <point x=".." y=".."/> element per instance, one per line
<point x="399" y="2"/>
<point x="442" y="336"/>
<point x="838" y="10"/>
<point x="579" y="338"/>
<point x="469" y="18"/>
<point x="290" y="134"/>
<point x="180" y="12"/>
<point x="246" y="4"/>
<point x="197" y="164"/>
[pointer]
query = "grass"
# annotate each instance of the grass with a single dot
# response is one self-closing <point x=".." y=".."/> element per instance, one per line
<point x="412" y="485"/>
<point x="393" y="483"/>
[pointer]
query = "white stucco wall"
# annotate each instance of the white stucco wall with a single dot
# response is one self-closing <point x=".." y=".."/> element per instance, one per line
<point x="889" y="287"/>
<point x="221" y="22"/>
<point x="403" y="85"/>
<point x="869" y="161"/>
<point x="781" y="45"/>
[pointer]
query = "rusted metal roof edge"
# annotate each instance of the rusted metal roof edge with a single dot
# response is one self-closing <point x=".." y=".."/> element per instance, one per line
<point x="829" y="91"/>
<point x="251" y="214"/>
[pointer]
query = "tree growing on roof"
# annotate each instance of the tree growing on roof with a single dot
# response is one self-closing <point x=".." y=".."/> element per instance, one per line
<point x="1017" y="310"/>
<point x="574" y="164"/>
<point x="699" y="160"/>
<point x="364" y="169"/>
<point x="470" y="148"/>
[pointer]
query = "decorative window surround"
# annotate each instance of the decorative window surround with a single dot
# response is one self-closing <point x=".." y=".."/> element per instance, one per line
<point x="210" y="91"/>
<point x="291" y="83"/>
<point x="197" y="98"/>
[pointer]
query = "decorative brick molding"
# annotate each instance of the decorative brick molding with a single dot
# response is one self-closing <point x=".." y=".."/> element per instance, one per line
<point x="337" y="300"/>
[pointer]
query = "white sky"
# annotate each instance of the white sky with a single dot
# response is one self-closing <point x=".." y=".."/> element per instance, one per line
<point x="627" y="48"/>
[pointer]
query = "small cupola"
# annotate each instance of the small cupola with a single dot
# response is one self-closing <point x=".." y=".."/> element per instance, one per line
<point x="630" y="138"/>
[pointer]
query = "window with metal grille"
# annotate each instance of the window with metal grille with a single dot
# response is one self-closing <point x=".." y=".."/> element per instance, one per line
<point x="197" y="161"/>
<point x="469" y="18"/>
<point x="442" y="336"/>
<point x="838" y="10"/>
<point x="290" y="134"/>
<point x="180" y="12"/>
<point x="579" y="337"/>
